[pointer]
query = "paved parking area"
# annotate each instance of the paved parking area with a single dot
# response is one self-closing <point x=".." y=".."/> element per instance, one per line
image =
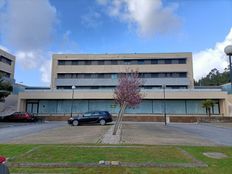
<point x="12" y="124"/>
<point x="177" y="134"/>
<point x="203" y="134"/>
<point x="51" y="133"/>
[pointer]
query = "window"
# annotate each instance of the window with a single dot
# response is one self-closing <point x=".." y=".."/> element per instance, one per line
<point x="161" y="61"/>
<point x="147" y="87"/>
<point x="182" y="61"/>
<point x="175" y="75"/>
<point x="101" y="62"/>
<point x="154" y="75"/>
<point x="74" y="75"/>
<point x="107" y="62"/>
<point x="154" y="61"/>
<point x="88" y="114"/>
<point x="100" y="76"/>
<point x="147" y="75"/>
<point x="74" y="62"/>
<point x="168" y="61"/>
<point x="81" y="62"/>
<point x="175" y="61"/>
<point x="68" y="76"/>
<point x="61" y="62"/>
<point x="5" y="74"/>
<point x="141" y="75"/>
<point x="94" y="87"/>
<point x="63" y="87"/>
<point x="127" y="62"/>
<point x="114" y="76"/>
<point x="183" y="74"/>
<point x="93" y="76"/>
<point x="168" y="74"/>
<point x="68" y="62"/>
<point x="107" y="76"/>
<point x="120" y="62"/>
<point x="148" y="62"/>
<point x="161" y="75"/>
<point x="140" y="62"/>
<point x="80" y="76"/>
<point x="60" y="76"/>
<point x="5" y="60"/>
<point x="94" y="62"/>
<point x="87" y="76"/>
<point x="114" y="62"/>
<point x="88" y="62"/>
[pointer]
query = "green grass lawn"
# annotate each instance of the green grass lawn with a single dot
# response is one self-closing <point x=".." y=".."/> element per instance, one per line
<point x="74" y="153"/>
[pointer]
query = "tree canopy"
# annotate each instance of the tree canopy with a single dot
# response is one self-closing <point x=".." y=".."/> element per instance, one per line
<point x="127" y="93"/>
<point x="5" y="89"/>
<point x="214" y="78"/>
<point x="208" y="104"/>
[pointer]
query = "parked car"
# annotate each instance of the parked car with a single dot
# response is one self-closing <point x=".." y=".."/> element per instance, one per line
<point x="20" y="116"/>
<point x="101" y="117"/>
<point x="3" y="167"/>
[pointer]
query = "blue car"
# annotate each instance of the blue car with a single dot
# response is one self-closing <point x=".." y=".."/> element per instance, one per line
<point x="101" y="117"/>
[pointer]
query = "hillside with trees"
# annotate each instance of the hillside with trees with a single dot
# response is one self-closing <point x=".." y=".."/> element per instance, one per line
<point x="214" y="78"/>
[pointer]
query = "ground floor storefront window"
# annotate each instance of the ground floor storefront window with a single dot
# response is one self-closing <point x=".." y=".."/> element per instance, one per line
<point x="173" y="107"/>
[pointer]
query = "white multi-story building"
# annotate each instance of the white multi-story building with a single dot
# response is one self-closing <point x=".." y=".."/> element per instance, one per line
<point x="7" y="65"/>
<point x="96" y="75"/>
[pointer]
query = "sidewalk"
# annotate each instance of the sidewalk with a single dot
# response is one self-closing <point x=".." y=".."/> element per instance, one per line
<point x="109" y="138"/>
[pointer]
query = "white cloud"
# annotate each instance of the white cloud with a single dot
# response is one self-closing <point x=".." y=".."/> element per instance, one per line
<point x="30" y="59"/>
<point x="28" y="28"/>
<point x="45" y="70"/>
<point x="149" y="16"/>
<point x="205" y="60"/>
<point x="29" y="24"/>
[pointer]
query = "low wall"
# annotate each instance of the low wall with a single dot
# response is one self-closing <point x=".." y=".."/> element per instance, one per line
<point x="180" y="119"/>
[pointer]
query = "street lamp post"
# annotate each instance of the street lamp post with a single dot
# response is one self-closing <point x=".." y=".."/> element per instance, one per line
<point x="73" y="87"/>
<point x="228" y="51"/>
<point x="165" y="115"/>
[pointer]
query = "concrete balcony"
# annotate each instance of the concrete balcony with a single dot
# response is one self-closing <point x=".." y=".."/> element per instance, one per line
<point x="113" y="82"/>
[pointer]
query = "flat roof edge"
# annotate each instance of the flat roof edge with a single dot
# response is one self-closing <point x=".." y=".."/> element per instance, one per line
<point x="105" y="54"/>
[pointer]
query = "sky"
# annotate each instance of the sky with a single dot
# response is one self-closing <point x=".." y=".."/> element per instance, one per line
<point x="33" y="30"/>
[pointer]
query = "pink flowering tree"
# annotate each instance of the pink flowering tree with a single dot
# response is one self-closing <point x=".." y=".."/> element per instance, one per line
<point x="127" y="94"/>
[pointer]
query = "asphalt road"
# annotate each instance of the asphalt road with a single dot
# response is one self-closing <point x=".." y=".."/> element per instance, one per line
<point x="133" y="133"/>
<point x="10" y="131"/>
<point x="177" y="134"/>
<point x="219" y="134"/>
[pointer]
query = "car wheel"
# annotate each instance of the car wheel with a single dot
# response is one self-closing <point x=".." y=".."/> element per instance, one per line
<point x="102" y="122"/>
<point x="75" y="123"/>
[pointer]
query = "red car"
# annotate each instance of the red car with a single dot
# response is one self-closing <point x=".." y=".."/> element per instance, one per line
<point x="20" y="116"/>
<point x="3" y="168"/>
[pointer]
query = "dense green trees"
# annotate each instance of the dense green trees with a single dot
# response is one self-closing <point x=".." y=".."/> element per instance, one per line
<point x="214" y="78"/>
<point x="5" y="89"/>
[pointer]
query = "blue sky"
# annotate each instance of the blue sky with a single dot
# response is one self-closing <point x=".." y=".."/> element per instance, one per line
<point x="34" y="30"/>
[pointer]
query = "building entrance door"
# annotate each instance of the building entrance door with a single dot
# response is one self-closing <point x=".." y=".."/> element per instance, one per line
<point x="32" y="107"/>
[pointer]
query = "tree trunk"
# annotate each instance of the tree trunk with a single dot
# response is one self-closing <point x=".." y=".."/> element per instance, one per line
<point x="209" y="111"/>
<point x="119" y="118"/>
<point x="116" y="123"/>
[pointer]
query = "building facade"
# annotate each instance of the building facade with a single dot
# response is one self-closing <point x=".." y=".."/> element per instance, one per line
<point x="7" y="65"/>
<point x="96" y="75"/>
<point x="86" y="71"/>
